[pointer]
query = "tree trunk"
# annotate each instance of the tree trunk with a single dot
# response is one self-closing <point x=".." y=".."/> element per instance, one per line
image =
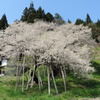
<point x="48" y="71"/>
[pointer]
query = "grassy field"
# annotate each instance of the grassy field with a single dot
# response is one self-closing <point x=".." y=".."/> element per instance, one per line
<point x="76" y="88"/>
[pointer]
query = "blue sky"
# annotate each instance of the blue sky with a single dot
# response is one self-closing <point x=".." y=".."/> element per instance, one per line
<point x="68" y="9"/>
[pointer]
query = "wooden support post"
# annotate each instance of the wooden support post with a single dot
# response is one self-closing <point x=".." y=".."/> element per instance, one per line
<point x="23" y="74"/>
<point x="48" y="71"/>
<point x="17" y="75"/>
<point x="44" y="71"/>
<point x="63" y="77"/>
<point x="29" y="79"/>
<point x="39" y="80"/>
<point x="54" y="80"/>
<point x="65" y="72"/>
<point x="33" y="76"/>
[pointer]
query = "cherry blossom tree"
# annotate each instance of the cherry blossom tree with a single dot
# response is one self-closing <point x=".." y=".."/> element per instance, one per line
<point x="65" y="47"/>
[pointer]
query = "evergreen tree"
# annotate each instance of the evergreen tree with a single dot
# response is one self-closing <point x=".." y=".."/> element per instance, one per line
<point x="88" y="19"/>
<point x="98" y="23"/>
<point x="58" y="19"/>
<point x="40" y="14"/>
<point x="31" y="13"/>
<point x="49" y="17"/>
<point x="79" y="21"/>
<point x="69" y="21"/>
<point x="3" y="22"/>
<point x="25" y="14"/>
<point x="95" y="31"/>
<point x="57" y="16"/>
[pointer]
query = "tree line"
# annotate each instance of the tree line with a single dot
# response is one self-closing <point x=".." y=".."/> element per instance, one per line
<point x="30" y="15"/>
<point x="94" y="26"/>
<point x="3" y="22"/>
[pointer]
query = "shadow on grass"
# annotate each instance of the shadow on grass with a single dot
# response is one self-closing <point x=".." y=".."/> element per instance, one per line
<point x="75" y="88"/>
<point x="84" y="87"/>
<point x="97" y="68"/>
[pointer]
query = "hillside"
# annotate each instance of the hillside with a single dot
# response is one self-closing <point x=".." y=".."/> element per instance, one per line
<point x="66" y="48"/>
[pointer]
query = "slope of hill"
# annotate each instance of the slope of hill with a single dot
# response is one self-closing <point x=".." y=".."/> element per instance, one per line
<point x="50" y="39"/>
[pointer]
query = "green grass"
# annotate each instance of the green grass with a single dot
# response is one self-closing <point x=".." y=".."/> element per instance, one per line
<point x="76" y="88"/>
